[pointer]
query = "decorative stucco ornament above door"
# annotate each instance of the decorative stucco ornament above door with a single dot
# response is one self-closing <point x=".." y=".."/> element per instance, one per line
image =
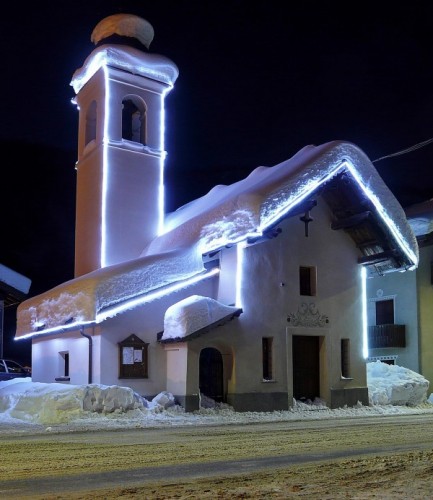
<point x="307" y="315"/>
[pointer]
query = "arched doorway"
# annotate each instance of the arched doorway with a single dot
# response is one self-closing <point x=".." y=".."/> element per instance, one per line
<point x="211" y="374"/>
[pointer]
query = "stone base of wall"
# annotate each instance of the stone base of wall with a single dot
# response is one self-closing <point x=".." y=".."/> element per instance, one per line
<point x="254" y="401"/>
<point x="188" y="402"/>
<point x="349" y="397"/>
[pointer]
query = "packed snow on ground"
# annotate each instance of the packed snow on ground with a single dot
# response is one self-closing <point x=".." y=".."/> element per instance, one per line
<point x="27" y="405"/>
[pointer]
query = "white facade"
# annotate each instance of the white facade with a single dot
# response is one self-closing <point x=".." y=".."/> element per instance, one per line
<point x="272" y="308"/>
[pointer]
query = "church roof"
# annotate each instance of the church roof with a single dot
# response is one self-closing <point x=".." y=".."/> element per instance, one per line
<point x="241" y="212"/>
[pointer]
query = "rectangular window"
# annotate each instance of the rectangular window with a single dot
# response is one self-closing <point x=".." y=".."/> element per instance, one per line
<point x="307" y="280"/>
<point x="267" y="358"/>
<point x="63" y="367"/>
<point x="345" y="358"/>
<point x="66" y="360"/>
<point x="385" y="312"/>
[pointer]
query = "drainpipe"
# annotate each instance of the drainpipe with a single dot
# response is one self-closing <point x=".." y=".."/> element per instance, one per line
<point x="89" y="338"/>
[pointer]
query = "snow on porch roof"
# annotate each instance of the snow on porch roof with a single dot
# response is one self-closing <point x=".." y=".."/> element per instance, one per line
<point x="194" y="316"/>
<point x="225" y="216"/>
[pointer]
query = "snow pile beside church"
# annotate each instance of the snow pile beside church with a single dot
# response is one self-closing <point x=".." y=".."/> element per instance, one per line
<point x="390" y="387"/>
<point x="407" y="387"/>
<point x="42" y="403"/>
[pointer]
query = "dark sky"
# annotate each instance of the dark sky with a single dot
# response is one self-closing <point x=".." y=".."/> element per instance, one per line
<point x="258" y="80"/>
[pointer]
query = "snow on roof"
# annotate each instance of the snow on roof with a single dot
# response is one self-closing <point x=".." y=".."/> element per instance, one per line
<point x="80" y="300"/>
<point x="225" y="216"/>
<point x="124" y="25"/>
<point x="193" y="314"/>
<point x="228" y="214"/>
<point x="127" y="58"/>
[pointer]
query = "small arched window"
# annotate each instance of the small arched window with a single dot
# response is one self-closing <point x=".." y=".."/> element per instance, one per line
<point x="133" y="120"/>
<point x="91" y="123"/>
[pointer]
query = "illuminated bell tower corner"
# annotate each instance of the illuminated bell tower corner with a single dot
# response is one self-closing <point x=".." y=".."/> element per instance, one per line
<point x="120" y="94"/>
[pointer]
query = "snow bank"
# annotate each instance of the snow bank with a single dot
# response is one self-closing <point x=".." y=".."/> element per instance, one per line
<point x="395" y="385"/>
<point x="56" y="403"/>
<point x="392" y="389"/>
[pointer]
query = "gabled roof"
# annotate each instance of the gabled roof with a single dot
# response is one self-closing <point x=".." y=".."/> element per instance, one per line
<point x="244" y="211"/>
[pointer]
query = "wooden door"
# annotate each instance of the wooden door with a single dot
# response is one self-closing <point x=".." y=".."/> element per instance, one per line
<point x="306" y="367"/>
<point x="211" y="374"/>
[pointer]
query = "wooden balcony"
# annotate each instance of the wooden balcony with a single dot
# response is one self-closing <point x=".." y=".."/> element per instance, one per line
<point x="386" y="336"/>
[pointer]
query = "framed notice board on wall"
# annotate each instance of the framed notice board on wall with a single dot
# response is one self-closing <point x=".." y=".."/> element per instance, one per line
<point x="133" y="361"/>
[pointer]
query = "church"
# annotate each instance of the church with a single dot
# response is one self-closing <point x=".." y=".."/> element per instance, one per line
<point x="252" y="295"/>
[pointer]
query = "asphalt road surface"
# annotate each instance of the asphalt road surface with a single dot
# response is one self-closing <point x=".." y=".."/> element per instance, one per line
<point x="339" y="457"/>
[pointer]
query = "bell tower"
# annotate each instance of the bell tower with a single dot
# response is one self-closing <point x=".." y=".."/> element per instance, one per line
<point x="120" y="93"/>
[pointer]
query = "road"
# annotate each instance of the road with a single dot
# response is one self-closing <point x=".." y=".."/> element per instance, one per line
<point x="387" y="455"/>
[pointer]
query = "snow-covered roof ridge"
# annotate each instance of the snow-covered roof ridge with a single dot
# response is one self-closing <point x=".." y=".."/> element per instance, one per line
<point x="228" y="214"/>
<point x="129" y="59"/>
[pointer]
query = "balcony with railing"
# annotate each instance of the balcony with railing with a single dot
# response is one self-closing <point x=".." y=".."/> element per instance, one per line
<point x="386" y="336"/>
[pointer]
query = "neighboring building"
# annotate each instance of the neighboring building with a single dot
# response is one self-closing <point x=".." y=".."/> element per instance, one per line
<point x="400" y="305"/>
<point x="252" y="294"/>
<point x="14" y="288"/>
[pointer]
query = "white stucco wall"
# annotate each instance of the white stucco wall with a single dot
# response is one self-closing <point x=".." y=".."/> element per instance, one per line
<point x="48" y="363"/>
<point x="270" y="292"/>
<point x="130" y="171"/>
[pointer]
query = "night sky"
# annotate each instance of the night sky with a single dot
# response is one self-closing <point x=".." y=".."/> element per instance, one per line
<point x="258" y="80"/>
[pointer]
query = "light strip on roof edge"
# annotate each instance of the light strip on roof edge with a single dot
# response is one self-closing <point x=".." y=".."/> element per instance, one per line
<point x="388" y="221"/>
<point x="55" y="329"/>
<point x="312" y="185"/>
<point x="128" y="304"/>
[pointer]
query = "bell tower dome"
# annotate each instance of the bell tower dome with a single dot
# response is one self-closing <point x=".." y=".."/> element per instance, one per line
<point x="120" y="93"/>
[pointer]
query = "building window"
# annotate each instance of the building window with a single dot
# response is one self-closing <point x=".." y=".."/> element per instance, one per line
<point x="267" y="358"/>
<point x="133" y="121"/>
<point x="91" y="123"/>
<point x="63" y="367"/>
<point x="345" y="358"/>
<point x="307" y="280"/>
<point x="389" y="360"/>
<point x="385" y="312"/>
<point x="65" y="356"/>
<point x="133" y="358"/>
